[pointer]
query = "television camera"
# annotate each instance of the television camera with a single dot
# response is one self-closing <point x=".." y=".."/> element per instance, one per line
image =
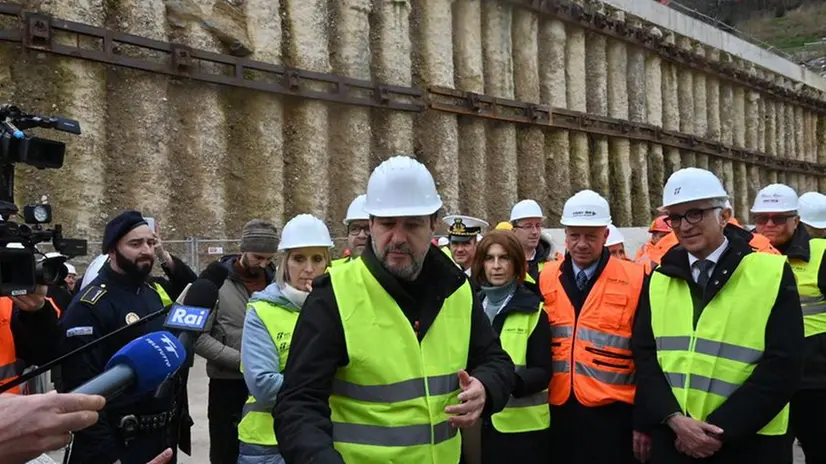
<point x="20" y="270"/>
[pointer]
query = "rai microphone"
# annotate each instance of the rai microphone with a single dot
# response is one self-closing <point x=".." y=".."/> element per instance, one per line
<point x="190" y="317"/>
<point x="139" y="367"/>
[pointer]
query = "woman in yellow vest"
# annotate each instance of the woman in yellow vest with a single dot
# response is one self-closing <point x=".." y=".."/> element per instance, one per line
<point x="268" y="329"/>
<point x="519" y="432"/>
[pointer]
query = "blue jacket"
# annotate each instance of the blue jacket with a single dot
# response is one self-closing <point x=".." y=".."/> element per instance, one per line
<point x="258" y="354"/>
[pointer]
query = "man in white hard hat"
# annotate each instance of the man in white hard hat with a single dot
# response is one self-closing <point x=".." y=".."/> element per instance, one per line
<point x="527" y="220"/>
<point x="718" y="337"/>
<point x="463" y="234"/>
<point x="776" y="216"/>
<point x="812" y="209"/>
<point x="358" y="231"/>
<point x="591" y="297"/>
<point x="616" y="243"/>
<point x="392" y="352"/>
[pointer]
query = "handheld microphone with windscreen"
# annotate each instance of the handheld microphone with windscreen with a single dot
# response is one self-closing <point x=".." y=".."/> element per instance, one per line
<point x="139" y="367"/>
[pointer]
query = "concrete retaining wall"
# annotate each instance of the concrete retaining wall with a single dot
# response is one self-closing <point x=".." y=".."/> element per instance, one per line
<point x="203" y="158"/>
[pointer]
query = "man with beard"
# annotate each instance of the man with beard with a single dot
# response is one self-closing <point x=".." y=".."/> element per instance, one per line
<point x="220" y="344"/>
<point x="358" y="231"/>
<point x="131" y="429"/>
<point x="392" y="352"/>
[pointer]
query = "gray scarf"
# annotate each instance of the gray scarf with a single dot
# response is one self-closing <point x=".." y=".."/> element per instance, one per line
<point x="496" y="297"/>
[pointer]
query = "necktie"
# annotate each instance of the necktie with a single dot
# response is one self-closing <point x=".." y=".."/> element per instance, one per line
<point x="703" y="266"/>
<point x="581" y="280"/>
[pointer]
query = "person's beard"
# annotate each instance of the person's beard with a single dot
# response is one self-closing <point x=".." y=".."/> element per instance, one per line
<point x="410" y="272"/>
<point x="133" y="269"/>
<point x="253" y="271"/>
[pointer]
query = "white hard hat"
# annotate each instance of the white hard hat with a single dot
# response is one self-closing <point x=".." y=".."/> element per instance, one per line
<point x="812" y="209"/>
<point x="93" y="270"/>
<point x="356" y="210"/>
<point x="586" y="209"/>
<point x="15" y="245"/>
<point x="443" y="241"/>
<point x="614" y="236"/>
<point x="775" y="198"/>
<point x="70" y="269"/>
<point x="52" y="254"/>
<point x="692" y="184"/>
<point x="401" y="186"/>
<point x="304" y="230"/>
<point x="526" y="209"/>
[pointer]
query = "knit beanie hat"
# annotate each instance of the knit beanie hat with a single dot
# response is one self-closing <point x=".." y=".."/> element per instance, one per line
<point x="259" y="236"/>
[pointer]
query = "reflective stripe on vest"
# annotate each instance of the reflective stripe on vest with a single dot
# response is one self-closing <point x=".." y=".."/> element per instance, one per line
<point x="10" y="366"/>
<point x="387" y="403"/>
<point x="529" y="413"/>
<point x="706" y="364"/>
<point x="811" y="300"/>
<point x="162" y="293"/>
<point x="592" y="352"/>
<point x="256" y="427"/>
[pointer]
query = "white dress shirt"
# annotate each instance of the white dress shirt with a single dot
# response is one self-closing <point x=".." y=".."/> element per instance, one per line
<point x="714" y="257"/>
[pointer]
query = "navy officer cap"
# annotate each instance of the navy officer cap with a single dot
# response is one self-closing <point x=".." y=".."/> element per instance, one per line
<point x="121" y="225"/>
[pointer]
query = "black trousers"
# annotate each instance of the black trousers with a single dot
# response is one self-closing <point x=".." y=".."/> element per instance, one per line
<point x="226" y="399"/>
<point x="586" y="435"/>
<point x="808" y="423"/>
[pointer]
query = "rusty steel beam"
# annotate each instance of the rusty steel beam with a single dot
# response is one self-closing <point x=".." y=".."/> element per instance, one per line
<point x="581" y="16"/>
<point x="36" y="32"/>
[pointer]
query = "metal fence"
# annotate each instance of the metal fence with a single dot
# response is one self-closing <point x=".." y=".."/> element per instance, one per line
<point x="196" y="252"/>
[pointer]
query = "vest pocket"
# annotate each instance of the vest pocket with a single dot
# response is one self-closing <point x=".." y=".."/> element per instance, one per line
<point x="614" y="365"/>
<point x="612" y="316"/>
<point x="607" y="354"/>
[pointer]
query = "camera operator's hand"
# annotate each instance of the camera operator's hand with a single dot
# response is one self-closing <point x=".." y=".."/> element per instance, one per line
<point x="33" y="301"/>
<point x="33" y="424"/>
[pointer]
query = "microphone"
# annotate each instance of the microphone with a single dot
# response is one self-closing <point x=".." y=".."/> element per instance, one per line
<point x="139" y="367"/>
<point x="190" y="318"/>
<point x="196" y="301"/>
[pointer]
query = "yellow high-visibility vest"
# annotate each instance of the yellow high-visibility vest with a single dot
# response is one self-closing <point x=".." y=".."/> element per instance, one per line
<point x="388" y="402"/>
<point x="811" y="300"/>
<point x="529" y="413"/>
<point x="707" y="364"/>
<point x="255" y="432"/>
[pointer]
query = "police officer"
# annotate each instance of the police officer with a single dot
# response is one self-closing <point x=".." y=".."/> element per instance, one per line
<point x="130" y="429"/>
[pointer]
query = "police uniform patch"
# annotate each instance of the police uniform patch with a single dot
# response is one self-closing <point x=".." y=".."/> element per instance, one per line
<point x="131" y="318"/>
<point x="93" y="294"/>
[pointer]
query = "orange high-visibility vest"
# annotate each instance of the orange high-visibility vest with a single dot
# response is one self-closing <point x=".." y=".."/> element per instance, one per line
<point x="10" y="366"/>
<point x="592" y="354"/>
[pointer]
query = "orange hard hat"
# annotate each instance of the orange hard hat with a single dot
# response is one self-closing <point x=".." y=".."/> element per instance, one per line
<point x="659" y="225"/>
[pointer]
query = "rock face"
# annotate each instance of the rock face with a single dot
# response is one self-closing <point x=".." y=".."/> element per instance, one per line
<point x="205" y="158"/>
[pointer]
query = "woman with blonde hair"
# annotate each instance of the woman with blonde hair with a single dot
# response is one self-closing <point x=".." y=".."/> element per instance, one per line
<point x="268" y="329"/>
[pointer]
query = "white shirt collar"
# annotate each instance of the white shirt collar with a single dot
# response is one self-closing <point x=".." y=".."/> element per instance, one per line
<point x="532" y="256"/>
<point x="589" y="271"/>
<point x="714" y="257"/>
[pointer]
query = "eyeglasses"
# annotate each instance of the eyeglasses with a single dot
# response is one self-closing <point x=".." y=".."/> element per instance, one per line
<point x="529" y="227"/>
<point x="777" y="219"/>
<point x="692" y="216"/>
<point x="355" y="230"/>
